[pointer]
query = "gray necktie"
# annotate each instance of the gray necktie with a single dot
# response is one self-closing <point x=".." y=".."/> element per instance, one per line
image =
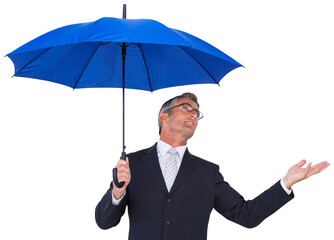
<point x="171" y="168"/>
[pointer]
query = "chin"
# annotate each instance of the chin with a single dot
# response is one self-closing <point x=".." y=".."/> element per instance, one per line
<point x="190" y="134"/>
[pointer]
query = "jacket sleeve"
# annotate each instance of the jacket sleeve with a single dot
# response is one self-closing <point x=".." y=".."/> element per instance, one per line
<point x="251" y="213"/>
<point x="107" y="214"/>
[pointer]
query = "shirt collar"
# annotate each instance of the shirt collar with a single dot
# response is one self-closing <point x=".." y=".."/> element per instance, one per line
<point x="163" y="148"/>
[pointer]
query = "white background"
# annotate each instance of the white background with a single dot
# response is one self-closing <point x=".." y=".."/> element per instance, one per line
<point x="58" y="146"/>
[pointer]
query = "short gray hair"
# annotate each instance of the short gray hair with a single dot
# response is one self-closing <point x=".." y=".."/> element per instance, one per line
<point x="171" y="103"/>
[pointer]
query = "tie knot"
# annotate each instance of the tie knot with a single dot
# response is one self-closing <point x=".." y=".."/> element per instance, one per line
<point x="172" y="151"/>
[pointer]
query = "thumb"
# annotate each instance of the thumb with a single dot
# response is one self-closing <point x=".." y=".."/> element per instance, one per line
<point x="301" y="163"/>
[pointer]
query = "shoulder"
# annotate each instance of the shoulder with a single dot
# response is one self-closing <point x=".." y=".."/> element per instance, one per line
<point x="143" y="152"/>
<point x="206" y="168"/>
<point x="202" y="162"/>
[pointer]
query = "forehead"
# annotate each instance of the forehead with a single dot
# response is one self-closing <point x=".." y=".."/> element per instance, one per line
<point x="187" y="100"/>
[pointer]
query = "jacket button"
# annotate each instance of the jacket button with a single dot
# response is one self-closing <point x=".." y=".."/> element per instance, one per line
<point x="167" y="223"/>
<point x="169" y="200"/>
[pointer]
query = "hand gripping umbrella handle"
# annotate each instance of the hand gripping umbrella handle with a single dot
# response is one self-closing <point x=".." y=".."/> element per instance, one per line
<point x="114" y="173"/>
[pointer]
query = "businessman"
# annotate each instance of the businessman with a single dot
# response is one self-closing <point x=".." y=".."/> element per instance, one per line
<point x="170" y="193"/>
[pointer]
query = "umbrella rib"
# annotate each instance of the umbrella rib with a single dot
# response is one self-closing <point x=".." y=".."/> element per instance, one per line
<point x="87" y="65"/>
<point x="32" y="61"/>
<point x="200" y="65"/>
<point x="148" y="74"/>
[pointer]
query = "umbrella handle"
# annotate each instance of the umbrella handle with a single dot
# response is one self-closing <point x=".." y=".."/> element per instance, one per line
<point x="114" y="173"/>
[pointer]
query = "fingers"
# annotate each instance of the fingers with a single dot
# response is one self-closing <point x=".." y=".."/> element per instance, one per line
<point x="319" y="167"/>
<point x="123" y="164"/>
<point x="123" y="171"/>
<point x="312" y="170"/>
<point x="326" y="164"/>
<point x="322" y="165"/>
<point x="309" y="166"/>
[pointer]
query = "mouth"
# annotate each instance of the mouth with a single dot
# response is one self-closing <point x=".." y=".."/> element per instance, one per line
<point x="190" y="121"/>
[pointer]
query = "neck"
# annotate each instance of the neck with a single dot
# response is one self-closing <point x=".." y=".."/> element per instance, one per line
<point x="173" y="141"/>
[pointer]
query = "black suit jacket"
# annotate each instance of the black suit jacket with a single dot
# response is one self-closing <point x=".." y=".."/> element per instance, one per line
<point x="183" y="213"/>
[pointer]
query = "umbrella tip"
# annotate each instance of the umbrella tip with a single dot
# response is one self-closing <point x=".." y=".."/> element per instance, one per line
<point x="124" y="11"/>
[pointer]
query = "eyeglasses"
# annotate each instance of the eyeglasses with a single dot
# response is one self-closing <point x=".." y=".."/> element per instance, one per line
<point x="189" y="108"/>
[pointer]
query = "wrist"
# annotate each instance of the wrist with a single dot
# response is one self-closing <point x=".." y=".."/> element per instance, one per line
<point x="287" y="183"/>
<point x="117" y="193"/>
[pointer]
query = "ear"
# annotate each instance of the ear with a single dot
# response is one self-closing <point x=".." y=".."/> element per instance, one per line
<point x="164" y="117"/>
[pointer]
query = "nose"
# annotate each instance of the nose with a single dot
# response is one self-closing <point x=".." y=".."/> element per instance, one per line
<point x="193" y="114"/>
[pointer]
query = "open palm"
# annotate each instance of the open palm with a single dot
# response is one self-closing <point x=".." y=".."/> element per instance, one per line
<point x="296" y="173"/>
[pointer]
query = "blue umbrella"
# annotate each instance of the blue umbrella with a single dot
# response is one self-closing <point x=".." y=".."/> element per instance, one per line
<point x="88" y="55"/>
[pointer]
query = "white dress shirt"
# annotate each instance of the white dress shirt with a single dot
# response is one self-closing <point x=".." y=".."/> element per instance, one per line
<point x="162" y="149"/>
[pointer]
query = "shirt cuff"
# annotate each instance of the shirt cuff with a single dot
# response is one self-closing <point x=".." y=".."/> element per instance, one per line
<point x="288" y="191"/>
<point x="116" y="202"/>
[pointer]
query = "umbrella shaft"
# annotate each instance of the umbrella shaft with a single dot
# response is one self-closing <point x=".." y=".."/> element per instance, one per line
<point x="123" y="87"/>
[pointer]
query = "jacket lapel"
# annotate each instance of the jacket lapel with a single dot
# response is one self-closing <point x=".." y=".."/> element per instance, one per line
<point x="187" y="166"/>
<point x="152" y="163"/>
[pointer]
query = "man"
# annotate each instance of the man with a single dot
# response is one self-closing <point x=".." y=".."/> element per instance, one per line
<point x="171" y="193"/>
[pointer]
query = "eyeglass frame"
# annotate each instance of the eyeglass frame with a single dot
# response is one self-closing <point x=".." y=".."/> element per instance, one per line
<point x="198" y="113"/>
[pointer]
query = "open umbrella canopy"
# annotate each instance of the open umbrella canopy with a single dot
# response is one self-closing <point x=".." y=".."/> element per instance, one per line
<point x="88" y="55"/>
<point x="94" y="54"/>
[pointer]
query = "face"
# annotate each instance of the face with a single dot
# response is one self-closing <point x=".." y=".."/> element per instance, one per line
<point x="181" y="121"/>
